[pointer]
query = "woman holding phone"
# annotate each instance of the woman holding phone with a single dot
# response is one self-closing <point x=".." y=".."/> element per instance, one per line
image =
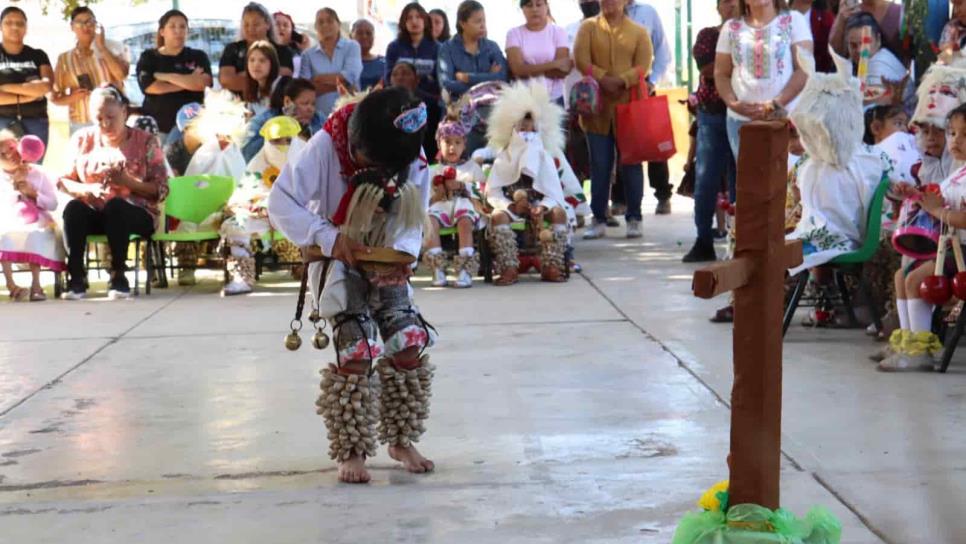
<point x="92" y="62"/>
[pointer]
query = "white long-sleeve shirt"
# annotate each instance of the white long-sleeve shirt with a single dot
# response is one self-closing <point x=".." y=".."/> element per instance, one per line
<point x="307" y="194"/>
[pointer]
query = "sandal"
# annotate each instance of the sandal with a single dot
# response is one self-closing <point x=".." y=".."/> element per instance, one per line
<point x="37" y="295"/>
<point x="18" y="294"/>
<point x="724" y="315"/>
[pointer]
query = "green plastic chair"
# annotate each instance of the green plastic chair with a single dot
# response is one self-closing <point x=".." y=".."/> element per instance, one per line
<point x="873" y="230"/>
<point x="192" y="199"/>
<point x="849" y="263"/>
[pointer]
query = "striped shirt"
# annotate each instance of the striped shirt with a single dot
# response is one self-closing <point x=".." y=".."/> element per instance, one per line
<point x="72" y="64"/>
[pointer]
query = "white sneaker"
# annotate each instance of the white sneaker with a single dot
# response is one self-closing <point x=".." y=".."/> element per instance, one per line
<point x="595" y="231"/>
<point x="236" y="288"/>
<point x="73" y="295"/>
<point x="439" y="277"/>
<point x="464" y="280"/>
<point x="634" y="229"/>
<point x="115" y="294"/>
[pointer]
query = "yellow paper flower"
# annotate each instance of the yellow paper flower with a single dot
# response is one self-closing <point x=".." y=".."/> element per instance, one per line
<point x="711" y="500"/>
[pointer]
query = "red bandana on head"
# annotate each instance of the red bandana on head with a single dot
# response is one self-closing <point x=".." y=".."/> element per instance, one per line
<point x="338" y="128"/>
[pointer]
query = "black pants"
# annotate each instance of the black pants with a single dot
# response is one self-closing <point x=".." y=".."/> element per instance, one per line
<point x="658" y="177"/>
<point x="118" y="219"/>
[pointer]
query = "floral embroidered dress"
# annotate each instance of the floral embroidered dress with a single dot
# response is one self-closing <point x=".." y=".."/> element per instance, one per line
<point x="28" y="233"/>
<point x="953" y="189"/>
<point x="762" y="57"/>
<point x="835" y="204"/>
<point x="463" y="203"/>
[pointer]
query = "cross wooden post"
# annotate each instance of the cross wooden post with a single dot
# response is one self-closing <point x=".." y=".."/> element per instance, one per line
<point x="756" y="275"/>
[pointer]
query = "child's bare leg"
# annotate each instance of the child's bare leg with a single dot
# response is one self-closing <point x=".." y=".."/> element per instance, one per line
<point x="8" y="275"/>
<point x="433" y="239"/>
<point x="353" y="470"/>
<point x="465" y="229"/>
<point x="35" y="278"/>
<point x="409" y="456"/>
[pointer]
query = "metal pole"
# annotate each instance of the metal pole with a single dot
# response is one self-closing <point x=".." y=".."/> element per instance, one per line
<point x="175" y="4"/>
<point x="678" y="68"/>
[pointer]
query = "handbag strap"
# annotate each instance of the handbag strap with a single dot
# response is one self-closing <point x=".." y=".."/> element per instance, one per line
<point x="19" y="116"/>
<point x="639" y="92"/>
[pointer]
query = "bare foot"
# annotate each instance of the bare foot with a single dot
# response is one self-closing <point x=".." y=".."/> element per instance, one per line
<point x="411" y="459"/>
<point x="353" y="470"/>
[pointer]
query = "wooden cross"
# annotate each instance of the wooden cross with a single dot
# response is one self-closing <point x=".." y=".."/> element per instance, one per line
<point x="757" y="276"/>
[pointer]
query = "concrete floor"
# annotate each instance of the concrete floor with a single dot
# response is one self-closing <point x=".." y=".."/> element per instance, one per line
<point x="596" y="417"/>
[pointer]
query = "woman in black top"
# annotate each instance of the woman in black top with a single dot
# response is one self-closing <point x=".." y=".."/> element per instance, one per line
<point x="25" y="78"/>
<point x="172" y="75"/>
<point x="256" y="25"/>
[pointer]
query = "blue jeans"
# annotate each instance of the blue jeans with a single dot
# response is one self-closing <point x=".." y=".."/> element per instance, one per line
<point x="713" y="159"/>
<point x="734" y="136"/>
<point x="602" y="148"/>
<point x="38" y="126"/>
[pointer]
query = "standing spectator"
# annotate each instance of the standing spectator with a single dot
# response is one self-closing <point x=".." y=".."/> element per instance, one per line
<point x="658" y="174"/>
<point x="118" y="179"/>
<point x="884" y="67"/>
<point x="756" y="68"/>
<point x="261" y="72"/>
<point x="288" y="36"/>
<point x="469" y="57"/>
<point x="951" y="41"/>
<point x="25" y="79"/>
<point x="172" y="75"/>
<point x="539" y="49"/>
<point x="373" y="66"/>
<point x="256" y="25"/>
<point x="404" y="75"/>
<point x="440" y="25"/>
<point x="887" y="13"/>
<point x="293" y="98"/>
<point x="93" y="62"/>
<point x="820" y="19"/>
<point x="713" y="158"/>
<point x="335" y="61"/>
<point x="415" y="45"/>
<point x="615" y="51"/>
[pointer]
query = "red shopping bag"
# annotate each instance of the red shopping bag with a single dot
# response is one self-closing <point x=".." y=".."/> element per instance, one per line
<point x="644" y="132"/>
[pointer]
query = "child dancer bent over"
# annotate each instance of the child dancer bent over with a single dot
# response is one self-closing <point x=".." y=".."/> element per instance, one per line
<point x="359" y="188"/>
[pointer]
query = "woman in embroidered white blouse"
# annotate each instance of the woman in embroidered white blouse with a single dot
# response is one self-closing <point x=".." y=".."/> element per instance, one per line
<point x="756" y="69"/>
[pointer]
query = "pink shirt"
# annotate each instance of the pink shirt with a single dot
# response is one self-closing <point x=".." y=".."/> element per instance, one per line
<point x="538" y="48"/>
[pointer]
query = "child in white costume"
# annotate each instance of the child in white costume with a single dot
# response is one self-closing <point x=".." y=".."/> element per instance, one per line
<point x="28" y="234"/>
<point x="247" y="209"/>
<point x="525" y="133"/>
<point x="362" y="185"/>
<point x="837" y="182"/>
<point x="941" y="94"/>
<point x="455" y="202"/>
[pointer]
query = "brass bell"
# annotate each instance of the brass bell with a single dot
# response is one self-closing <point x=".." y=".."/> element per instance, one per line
<point x="320" y="340"/>
<point x="314" y="317"/>
<point x="293" y="341"/>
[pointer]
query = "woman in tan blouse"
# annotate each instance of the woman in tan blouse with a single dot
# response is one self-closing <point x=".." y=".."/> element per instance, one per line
<point x="616" y="51"/>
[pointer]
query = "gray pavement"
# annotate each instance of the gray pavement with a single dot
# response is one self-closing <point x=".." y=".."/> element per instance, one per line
<point x="594" y="411"/>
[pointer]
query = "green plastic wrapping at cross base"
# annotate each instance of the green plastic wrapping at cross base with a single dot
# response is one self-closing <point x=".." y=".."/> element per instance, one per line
<point x="819" y="526"/>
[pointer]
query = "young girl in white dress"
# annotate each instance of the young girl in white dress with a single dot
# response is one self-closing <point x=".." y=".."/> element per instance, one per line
<point x="28" y="234"/>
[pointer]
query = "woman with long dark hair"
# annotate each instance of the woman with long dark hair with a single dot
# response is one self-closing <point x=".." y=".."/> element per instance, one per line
<point x="257" y="24"/>
<point x="415" y="45"/>
<point x="173" y="74"/>
<point x="440" y="21"/>
<point x="469" y="57"/>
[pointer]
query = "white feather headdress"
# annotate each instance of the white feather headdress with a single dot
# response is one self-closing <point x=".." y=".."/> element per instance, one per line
<point x="829" y="111"/>
<point x="516" y="101"/>
<point x="943" y="88"/>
